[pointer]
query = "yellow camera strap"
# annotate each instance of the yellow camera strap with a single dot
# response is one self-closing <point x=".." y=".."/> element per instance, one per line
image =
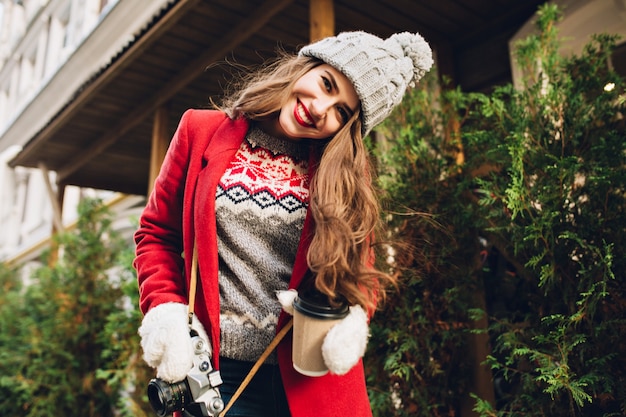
<point x="193" y="282"/>
<point x="279" y="336"/>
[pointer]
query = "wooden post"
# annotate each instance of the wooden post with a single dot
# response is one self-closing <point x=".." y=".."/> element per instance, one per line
<point x="160" y="143"/>
<point x="55" y="199"/>
<point x="478" y="348"/>
<point x="321" y="19"/>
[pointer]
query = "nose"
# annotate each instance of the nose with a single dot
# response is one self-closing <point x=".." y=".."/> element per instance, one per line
<point x="321" y="106"/>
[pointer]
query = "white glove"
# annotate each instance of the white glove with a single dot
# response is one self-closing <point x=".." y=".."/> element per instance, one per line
<point x="286" y="299"/>
<point x="166" y="342"/>
<point x="345" y="342"/>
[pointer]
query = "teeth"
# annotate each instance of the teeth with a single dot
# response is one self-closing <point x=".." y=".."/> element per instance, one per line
<point x="303" y="114"/>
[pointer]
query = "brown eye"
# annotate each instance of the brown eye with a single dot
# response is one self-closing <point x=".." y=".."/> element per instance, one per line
<point x="327" y="84"/>
<point x="344" y="114"/>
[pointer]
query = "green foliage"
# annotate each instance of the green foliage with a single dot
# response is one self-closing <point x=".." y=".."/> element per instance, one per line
<point x="415" y="362"/>
<point x="541" y="180"/>
<point x="69" y="336"/>
<point x="125" y="371"/>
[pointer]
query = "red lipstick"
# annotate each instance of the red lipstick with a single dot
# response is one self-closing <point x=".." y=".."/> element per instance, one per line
<point x="302" y="115"/>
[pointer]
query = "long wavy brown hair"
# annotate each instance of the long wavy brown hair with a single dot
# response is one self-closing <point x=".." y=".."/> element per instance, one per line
<point x="343" y="202"/>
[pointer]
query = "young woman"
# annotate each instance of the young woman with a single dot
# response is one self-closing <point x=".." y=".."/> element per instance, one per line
<point x="274" y="192"/>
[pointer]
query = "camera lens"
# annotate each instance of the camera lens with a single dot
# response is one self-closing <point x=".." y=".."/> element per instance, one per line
<point x="166" y="398"/>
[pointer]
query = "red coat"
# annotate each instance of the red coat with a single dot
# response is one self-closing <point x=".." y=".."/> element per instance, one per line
<point x="195" y="163"/>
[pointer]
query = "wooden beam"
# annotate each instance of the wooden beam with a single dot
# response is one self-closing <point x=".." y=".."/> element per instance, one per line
<point x="321" y="19"/>
<point x="160" y="142"/>
<point x="246" y="28"/>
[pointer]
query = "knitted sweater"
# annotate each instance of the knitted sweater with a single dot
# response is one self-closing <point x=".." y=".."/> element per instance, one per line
<point x="261" y="203"/>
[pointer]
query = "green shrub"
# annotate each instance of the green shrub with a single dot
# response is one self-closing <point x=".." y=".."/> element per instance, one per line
<point x="69" y="337"/>
<point x="523" y="193"/>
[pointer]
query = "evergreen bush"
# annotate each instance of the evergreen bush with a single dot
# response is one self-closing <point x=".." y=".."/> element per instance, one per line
<point x="69" y="338"/>
<point x="522" y="229"/>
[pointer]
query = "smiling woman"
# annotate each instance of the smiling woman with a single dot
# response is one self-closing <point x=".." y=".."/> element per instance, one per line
<point x="274" y="191"/>
<point x="321" y="102"/>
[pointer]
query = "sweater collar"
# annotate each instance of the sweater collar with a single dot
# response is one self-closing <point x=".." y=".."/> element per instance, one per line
<point x="259" y="138"/>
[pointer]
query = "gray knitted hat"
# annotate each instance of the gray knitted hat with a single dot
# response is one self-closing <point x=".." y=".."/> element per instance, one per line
<point x="380" y="70"/>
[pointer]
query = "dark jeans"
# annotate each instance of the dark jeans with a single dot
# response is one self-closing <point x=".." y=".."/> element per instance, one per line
<point x="263" y="397"/>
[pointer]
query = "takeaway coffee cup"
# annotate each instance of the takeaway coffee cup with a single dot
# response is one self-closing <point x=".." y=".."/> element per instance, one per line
<point x="313" y="316"/>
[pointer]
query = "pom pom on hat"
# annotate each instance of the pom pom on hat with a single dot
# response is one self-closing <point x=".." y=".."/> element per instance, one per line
<point x="380" y="70"/>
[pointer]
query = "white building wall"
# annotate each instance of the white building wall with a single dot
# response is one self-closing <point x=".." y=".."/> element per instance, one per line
<point x="9" y="188"/>
<point x="36" y="38"/>
<point x="581" y="20"/>
<point x="41" y="36"/>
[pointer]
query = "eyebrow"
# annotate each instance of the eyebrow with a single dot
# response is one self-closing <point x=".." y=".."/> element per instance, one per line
<point x="336" y="87"/>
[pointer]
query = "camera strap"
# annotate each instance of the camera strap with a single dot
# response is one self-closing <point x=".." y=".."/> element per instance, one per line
<point x="193" y="281"/>
<point x="279" y="336"/>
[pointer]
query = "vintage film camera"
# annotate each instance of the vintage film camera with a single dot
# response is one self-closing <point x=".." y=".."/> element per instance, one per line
<point x="197" y="395"/>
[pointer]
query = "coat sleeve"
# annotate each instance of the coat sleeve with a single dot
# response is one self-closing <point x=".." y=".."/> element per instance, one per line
<point x="158" y="261"/>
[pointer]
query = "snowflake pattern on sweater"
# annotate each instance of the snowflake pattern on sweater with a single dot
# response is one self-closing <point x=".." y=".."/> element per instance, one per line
<point x="269" y="180"/>
<point x="261" y="203"/>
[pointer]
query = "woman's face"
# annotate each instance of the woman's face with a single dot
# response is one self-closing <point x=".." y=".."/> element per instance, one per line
<point x="321" y="102"/>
